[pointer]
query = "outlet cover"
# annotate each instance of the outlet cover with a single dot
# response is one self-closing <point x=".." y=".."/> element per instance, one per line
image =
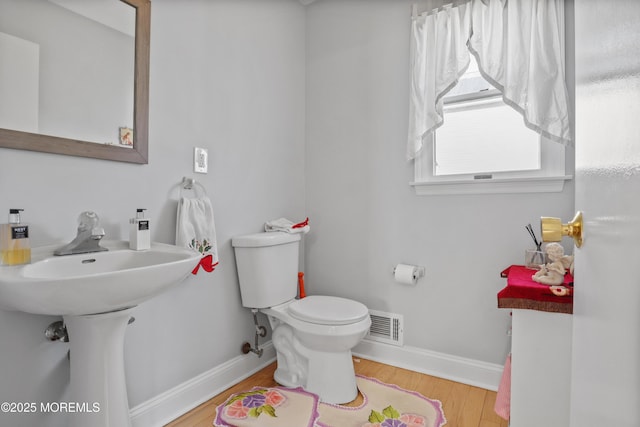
<point x="200" y="160"/>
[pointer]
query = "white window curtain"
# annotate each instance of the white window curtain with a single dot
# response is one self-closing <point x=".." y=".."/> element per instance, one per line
<point x="518" y="46"/>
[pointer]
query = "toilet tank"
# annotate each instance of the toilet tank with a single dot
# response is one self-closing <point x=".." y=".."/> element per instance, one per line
<point x="267" y="266"/>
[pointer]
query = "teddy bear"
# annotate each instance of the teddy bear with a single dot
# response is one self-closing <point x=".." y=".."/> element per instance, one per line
<point x="553" y="272"/>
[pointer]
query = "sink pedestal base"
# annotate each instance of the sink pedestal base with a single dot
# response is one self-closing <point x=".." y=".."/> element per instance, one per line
<point x="98" y="386"/>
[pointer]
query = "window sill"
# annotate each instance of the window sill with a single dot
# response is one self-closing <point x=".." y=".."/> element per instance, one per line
<point x="553" y="184"/>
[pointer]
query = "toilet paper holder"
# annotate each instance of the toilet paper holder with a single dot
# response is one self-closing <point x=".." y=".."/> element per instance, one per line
<point x="418" y="271"/>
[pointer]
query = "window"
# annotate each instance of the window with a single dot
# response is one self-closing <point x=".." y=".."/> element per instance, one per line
<point x="483" y="137"/>
<point x="485" y="147"/>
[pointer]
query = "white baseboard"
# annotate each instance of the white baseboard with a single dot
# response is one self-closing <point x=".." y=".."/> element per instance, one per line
<point x="455" y="368"/>
<point x="175" y="402"/>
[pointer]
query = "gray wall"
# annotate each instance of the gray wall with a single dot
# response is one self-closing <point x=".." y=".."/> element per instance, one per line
<point x="366" y="217"/>
<point x="227" y="76"/>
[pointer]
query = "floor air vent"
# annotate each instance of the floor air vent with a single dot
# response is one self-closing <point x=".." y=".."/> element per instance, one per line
<point x="386" y="327"/>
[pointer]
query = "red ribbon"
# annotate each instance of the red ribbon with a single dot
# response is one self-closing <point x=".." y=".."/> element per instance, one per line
<point x="206" y="263"/>
<point x="301" y="224"/>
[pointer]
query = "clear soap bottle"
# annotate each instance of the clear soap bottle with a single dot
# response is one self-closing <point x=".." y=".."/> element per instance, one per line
<point x="139" y="231"/>
<point x="14" y="241"/>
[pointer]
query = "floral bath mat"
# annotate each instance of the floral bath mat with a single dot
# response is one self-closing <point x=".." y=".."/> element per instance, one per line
<point x="385" y="405"/>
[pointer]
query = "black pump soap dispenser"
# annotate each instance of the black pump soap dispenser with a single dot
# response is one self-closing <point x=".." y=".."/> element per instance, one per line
<point x="14" y="241"/>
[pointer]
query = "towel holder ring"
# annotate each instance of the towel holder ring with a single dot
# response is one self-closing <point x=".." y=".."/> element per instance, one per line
<point x="191" y="184"/>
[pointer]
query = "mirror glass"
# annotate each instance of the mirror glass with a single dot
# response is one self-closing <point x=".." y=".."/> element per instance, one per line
<point x="74" y="77"/>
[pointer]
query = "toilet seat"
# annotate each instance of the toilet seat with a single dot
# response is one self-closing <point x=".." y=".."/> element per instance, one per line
<point x="327" y="310"/>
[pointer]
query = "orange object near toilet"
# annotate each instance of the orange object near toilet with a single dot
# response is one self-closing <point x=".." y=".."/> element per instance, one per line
<point x="301" y="285"/>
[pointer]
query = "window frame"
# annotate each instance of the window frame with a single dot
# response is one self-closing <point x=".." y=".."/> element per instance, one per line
<point x="549" y="178"/>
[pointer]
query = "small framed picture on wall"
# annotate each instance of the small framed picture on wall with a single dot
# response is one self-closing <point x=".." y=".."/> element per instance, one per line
<point x="126" y="136"/>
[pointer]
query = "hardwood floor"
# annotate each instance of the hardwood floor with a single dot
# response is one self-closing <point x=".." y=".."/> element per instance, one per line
<point x="464" y="405"/>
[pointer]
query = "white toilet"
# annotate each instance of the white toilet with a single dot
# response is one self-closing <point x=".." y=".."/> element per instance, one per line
<point x="313" y="336"/>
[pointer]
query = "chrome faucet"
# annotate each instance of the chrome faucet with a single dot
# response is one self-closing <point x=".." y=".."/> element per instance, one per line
<point x="88" y="238"/>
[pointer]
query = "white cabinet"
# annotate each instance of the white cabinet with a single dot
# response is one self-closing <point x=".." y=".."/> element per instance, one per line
<point x="540" y="368"/>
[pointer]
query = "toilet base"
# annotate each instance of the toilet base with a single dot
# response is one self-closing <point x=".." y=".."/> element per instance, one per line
<point x="332" y="377"/>
<point x="316" y="357"/>
<point x="329" y="375"/>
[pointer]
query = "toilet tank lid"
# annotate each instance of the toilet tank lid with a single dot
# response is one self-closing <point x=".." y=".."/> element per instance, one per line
<point x="270" y="238"/>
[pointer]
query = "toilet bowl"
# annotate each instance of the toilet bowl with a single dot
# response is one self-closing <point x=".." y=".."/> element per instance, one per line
<point x="313" y="336"/>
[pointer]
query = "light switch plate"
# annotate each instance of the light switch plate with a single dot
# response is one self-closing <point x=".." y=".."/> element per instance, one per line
<point x="200" y="160"/>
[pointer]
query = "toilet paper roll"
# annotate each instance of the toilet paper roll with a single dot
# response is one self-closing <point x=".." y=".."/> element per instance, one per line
<point x="407" y="274"/>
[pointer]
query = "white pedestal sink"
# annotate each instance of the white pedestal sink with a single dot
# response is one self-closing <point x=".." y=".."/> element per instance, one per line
<point x="95" y="293"/>
<point x="97" y="368"/>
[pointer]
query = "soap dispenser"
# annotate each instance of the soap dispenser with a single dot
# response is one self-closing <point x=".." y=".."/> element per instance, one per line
<point x="14" y="241"/>
<point x="139" y="231"/>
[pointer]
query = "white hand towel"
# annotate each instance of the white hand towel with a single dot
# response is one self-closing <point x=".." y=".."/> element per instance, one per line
<point x="283" y="224"/>
<point x="195" y="229"/>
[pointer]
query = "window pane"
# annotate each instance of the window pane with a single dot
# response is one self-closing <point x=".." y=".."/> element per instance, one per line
<point x="481" y="137"/>
<point x="470" y="82"/>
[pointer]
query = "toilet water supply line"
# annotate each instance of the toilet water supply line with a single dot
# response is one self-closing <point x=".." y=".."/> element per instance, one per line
<point x="260" y="331"/>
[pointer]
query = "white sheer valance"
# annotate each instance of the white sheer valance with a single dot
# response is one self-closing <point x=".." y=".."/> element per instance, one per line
<point x="519" y="49"/>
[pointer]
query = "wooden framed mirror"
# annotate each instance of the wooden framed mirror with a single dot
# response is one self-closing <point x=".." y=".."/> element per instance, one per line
<point x="138" y="152"/>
